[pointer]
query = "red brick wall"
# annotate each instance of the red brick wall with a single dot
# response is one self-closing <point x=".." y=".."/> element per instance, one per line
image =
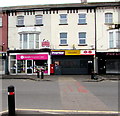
<point x="4" y="32"/>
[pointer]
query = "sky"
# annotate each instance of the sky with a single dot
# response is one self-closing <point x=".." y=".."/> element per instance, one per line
<point x="4" y="3"/>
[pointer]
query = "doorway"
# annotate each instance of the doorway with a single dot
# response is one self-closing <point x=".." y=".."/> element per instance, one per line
<point x="29" y="66"/>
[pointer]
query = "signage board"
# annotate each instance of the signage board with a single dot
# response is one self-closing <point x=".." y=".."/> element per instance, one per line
<point x="87" y="52"/>
<point x="58" y="53"/>
<point x="32" y="56"/>
<point x="45" y="44"/>
<point x="113" y="54"/>
<point x="72" y="52"/>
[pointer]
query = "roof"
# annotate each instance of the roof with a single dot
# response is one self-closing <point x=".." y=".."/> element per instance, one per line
<point x="62" y="6"/>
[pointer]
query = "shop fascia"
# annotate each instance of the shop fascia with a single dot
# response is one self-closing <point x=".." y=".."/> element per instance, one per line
<point x="73" y="52"/>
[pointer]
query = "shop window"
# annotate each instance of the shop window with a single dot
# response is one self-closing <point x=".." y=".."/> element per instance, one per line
<point x="13" y="64"/>
<point x="113" y="66"/>
<point x="29" y="41"/>
<point x="82" y="19"/>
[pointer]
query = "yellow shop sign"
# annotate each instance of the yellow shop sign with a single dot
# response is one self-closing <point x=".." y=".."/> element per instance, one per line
<point x="72" y="52"/>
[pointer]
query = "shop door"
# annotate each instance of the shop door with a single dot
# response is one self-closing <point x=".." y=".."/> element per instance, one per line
<point x="29" y="66"/>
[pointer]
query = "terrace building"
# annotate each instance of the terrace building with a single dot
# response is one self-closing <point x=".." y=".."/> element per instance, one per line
<point x="64" y="38"/>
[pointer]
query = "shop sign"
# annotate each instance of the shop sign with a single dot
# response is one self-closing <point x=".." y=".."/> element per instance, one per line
<point x="32" y="57"/>
<point x="113" y="54"/>
<point x="57" y="53"/>
<point x="45" y="43"/>
<point x="87" y="52"/>
<point x="72" y="52"/>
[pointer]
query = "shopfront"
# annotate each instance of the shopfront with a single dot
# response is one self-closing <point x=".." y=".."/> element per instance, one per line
<point x="72" y="61"/>
<point x="29" y="63"/>
<point x="108" y="62"/>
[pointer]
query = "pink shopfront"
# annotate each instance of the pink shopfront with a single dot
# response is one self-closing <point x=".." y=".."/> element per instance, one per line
<point x="28" y="63"/>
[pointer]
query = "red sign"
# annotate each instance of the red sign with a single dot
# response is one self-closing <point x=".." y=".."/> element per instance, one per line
<point x="45" y="44"/>
<point x="87" y="52"/>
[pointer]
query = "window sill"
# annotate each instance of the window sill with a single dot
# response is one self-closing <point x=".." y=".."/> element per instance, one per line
<point x="63" y="45"/>
<point x="20" y="25"/>
<point x="38" y="25"/>
<point x="82" y="23"/>
<point x="114" y="48"/>
<point x="64" y="24"/>
<point x="109" y="23"/>
<point x="82" y="44"/>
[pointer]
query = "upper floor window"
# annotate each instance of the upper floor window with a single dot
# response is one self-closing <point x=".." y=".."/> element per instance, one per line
<point x="63" y="38"/>
<point x="82" y="38"/>
<point x="82" y="19"/>
<point x="0" y="21"/>
<point x="108" y="18"/>
<point x="63" y="18"/>
<point x="111" y="40"/>
<point x="114" y="39"/>
<point x="20" y="20"/>
<point x="38" y="20"/>
<point x="29" y="41"/>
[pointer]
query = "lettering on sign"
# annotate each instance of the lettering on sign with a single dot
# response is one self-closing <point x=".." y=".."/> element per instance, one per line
<point x="113" y="54"/>
<point x="57" y="53"/>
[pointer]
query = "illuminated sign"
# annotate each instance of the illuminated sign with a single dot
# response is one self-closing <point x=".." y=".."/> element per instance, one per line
<point x="72" y="52"/>
<point x="87" y="52"/>
<point x="57" y="53"/>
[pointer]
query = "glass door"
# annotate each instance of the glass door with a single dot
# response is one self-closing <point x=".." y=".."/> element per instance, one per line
<point x="29" y="66"/>
<point x="20" y="66"/>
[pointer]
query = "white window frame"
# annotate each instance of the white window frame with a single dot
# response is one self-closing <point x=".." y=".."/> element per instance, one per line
<point x="81" y="18"/>
<point x="20" y="20"/>
<point x="82" y="38"/>
<point x="63" y="20"/>
<point x="38" y="19"/>
<point x="28" y="41"/>
<point x="108" y="18"/>
<point x="0" y="21"/>
<point x="116" y="39"/>
<point x="65" y="38"/>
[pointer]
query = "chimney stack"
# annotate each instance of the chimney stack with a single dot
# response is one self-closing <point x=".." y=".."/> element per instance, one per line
<point x="83" y="1"/>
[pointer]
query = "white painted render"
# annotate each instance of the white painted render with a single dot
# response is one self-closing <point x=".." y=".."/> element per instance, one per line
<point x="103" y="29"/>
<point x="51" y="29"/>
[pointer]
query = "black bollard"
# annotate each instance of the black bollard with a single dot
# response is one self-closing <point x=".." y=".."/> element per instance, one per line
<point x="92" y="75"/>
<point x="11" y="101"/>
<point x="38" y="75"/>
<point x="42" y="74"/>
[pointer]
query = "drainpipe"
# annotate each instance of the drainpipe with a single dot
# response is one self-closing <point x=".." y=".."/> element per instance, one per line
<point x="95" y="59"/>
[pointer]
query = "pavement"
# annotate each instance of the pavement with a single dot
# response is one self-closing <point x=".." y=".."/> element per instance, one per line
<point x="85" y="78"/>
<point x="48" y="77"/>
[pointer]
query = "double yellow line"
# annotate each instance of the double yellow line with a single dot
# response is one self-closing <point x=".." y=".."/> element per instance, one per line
<point x="65" y="111"/>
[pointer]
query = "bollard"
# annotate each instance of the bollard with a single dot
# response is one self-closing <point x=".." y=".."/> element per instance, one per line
<point x="92" y="75"/>
<point x="42" y="74"/>
<point x="11" y="101"/>
<point x="38" y="75"/>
